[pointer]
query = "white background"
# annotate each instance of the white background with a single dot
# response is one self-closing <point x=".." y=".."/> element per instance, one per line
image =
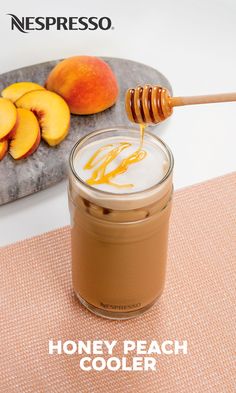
<point x="193" y="42"/>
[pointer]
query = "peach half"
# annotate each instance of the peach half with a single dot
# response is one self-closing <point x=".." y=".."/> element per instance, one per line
<point x="7" y="118"/>
<point x="86" y="83"/>
<point x="3" y="149"/>
<point x="18" y="89"/>
<point x="27" y="135"/>
<point x="51" y="111"/>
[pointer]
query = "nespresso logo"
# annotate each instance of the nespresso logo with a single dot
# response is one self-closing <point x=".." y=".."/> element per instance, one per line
<point x="120" y="307"/>
<point x="26" y="24"/>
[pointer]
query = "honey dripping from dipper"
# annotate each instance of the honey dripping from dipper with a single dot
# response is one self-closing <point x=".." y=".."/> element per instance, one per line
<point x="144" y="105"/>
<point x="139" y="110"/>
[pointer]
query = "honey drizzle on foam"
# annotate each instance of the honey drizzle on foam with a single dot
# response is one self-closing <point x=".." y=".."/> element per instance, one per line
<point x="99" y="175"/>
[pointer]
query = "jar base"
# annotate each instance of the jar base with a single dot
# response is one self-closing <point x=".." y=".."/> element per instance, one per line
<point x="114" y="315"/>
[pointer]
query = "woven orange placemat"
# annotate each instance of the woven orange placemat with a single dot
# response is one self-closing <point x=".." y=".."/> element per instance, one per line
<point x="198" y="305"/>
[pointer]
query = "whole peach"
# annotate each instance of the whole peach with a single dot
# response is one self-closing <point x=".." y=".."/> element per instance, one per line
<point x="86" y="83"/>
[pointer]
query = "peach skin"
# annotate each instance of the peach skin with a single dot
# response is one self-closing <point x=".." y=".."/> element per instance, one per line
<point x="52" y="112"/>
<point x="18" y="89"/>
<point x="7" y="118"/>
<point x="3" y="149"/>
<point x="87" y="84"/>
<point x="27" y="135"/>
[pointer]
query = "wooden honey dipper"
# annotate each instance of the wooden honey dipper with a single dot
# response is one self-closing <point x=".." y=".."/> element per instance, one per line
<point x="153" y="104"/>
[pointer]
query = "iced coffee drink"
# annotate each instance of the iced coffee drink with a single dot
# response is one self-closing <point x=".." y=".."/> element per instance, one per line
<point x="120" y="192"/>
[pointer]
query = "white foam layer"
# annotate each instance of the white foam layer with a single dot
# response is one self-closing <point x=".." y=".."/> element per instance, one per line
<point x="143" y="174"/>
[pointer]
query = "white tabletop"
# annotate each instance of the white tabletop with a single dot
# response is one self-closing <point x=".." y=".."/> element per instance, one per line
<point x="191" y="42"/>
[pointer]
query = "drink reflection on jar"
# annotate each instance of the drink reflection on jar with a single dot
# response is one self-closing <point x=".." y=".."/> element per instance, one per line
<point x="119" y="240"/>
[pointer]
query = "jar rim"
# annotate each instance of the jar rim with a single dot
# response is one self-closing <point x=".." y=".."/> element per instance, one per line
<point x="129" y="195"/>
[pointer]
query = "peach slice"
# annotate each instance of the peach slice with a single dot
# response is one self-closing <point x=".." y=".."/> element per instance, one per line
<point x="7" y="118"/>
<point x="52" y="112"/>
<point x="3" y="149"/>
<point x="27" y="135"/>
<point x="18" y="89"/>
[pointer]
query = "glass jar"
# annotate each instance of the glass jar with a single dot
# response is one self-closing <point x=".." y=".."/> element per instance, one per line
<point x="119" y="240"/>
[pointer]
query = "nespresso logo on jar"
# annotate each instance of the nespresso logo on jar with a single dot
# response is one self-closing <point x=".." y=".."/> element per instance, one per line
<point x="26" y="24"/>
<point x="120" y="307"/>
